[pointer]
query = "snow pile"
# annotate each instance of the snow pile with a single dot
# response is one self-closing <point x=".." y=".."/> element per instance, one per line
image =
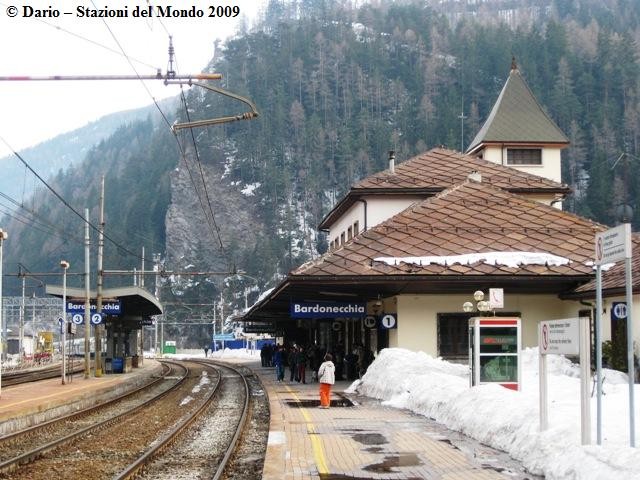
<point x="508" y="259"/>
<point x="241" y="353"/>
<point x="249" y="189"/>
<point x="509" y="420"/>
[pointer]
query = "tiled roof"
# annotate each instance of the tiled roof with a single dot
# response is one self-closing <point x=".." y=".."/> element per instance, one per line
<point x="468" y="218"/>
<point x="441" y="168"/>
<point x="614" y="277"/>
<point x="517" y="117"/>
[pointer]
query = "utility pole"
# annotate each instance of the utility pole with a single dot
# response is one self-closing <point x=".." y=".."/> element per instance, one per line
<point x="156" y="267"/>
<point x="21" y="333"/>
<point x="462" y="117"/>
<point x="65" y="265"/>
<point x="3" y="237"/>
<point x="87" y="300"/>
<point x="98" y="327"/>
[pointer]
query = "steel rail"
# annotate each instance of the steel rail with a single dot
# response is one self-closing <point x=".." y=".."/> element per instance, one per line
<point x="18" y="377"/>
<point x="85" y="411"/>
<point x="241" y="424"/>
<point x="28" y="457"/>
<point x="138" y="466"/>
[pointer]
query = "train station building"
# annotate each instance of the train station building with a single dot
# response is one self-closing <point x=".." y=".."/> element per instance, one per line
<point x="408" y="246"/>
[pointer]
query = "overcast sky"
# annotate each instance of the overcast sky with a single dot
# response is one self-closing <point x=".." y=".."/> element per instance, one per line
<point x="31" y="112"/>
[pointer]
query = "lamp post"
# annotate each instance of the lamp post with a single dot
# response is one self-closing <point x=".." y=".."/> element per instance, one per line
<point x="3" y="236"/>
<point x="65" y="265"/>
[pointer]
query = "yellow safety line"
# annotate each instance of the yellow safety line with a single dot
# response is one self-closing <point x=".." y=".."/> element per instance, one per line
<point x="316" y="444"/>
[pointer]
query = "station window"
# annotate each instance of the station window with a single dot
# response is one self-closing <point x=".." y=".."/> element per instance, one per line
<point x="336" y="242"/>
<point x="356" y="228"/>
<point x="453" y="334"/>
<point x="524" y="156"/>
<point x="349" y="233"/>
<point x="342" y="238"/>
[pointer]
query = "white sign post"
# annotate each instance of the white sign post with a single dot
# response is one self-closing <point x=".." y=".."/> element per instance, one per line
<point x="611" y="246"/>
<point x="569" y="336"/>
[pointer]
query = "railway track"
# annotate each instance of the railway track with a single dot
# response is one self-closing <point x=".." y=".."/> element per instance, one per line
<point x="17" y="377"/>
<point x="189" y="432"/>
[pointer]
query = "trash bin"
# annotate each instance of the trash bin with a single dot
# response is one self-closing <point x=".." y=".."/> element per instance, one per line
<point x="117" y="365"/>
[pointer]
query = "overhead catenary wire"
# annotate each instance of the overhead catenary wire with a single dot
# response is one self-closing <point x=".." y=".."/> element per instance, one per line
<point x="214" y="229"/>
<point x="204" y="184"/>
<point x="65" y="203"/>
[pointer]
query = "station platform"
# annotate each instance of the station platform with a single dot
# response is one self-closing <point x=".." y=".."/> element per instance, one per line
<point x="27" y="404"/>
<point x="357" y="438"/>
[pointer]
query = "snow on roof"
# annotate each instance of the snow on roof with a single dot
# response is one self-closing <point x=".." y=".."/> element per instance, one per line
<point x="509" y="259"/>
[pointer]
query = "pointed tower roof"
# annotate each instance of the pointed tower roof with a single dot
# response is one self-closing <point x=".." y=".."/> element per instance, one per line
<point x="517" y="117"/>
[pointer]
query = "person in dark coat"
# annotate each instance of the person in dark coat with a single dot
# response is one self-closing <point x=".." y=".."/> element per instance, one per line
<point x="278" y="361"/>
<point x="301" y="363"/>
<point x="292" y="363"/>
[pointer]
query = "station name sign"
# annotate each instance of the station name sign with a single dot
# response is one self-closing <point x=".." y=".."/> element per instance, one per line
<point x="328" y="310"/>
<point x="110" y="307"/>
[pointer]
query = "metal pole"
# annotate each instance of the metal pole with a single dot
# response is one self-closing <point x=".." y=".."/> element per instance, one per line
<point x="98" y="328"/>
<point x="544" y="396"/>
<point x="214" y="327"/>
<point x="21" y="333"/>
<point x="585" y="381"/>
<point x="87" y="301"/>
<point x="158" y="76"/>
<point x="64" y="266"/>
<point x="631" y="366"/>
<point x="599" y="354"/>
<point x="156" y="261"/>
<point x="142" y="270"/>
<point x="3" y="236"/>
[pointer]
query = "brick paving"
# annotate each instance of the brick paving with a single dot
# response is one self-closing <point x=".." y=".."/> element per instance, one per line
<point x="367" y="441"/>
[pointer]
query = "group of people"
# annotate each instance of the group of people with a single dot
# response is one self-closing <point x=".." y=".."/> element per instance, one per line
<point x="325" y="368"/>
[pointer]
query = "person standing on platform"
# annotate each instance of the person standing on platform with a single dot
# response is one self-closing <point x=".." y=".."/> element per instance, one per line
<point x="278" y="361"/>
<point x="301" y="362"/>
<point x="293" y="354"/>
<point x="326" y="377"/>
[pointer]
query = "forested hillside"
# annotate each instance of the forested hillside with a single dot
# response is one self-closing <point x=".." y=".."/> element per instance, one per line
<point x="336" y="88"/>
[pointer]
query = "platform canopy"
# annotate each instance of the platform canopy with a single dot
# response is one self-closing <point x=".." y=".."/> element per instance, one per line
<point x="135" y="301"/>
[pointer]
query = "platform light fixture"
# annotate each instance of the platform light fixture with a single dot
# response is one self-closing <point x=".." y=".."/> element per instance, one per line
<point x="481" y="304"/>
<point x="3" y="237"/>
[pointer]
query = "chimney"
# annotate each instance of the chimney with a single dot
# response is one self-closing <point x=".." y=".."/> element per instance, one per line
<point x="392" y="161"/>
<point x="475" y="176"/>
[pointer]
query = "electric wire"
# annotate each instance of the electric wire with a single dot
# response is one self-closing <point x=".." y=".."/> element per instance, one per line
<point x="35" y="217"/>
<point x="182" y="151"/>
<point x="204" y="184"/>
<point x="65" y="203"/>
<point x="88" y="40"/>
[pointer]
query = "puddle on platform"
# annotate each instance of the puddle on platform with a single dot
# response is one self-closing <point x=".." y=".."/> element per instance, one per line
<point x="370" y="438"/>
<point x="374" y="450"/>
<point x="343" y="402"/>
<point x="391" y="461"/>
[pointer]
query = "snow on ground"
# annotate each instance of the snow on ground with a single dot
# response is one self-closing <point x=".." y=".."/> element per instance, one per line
<point x="509" y="420"/>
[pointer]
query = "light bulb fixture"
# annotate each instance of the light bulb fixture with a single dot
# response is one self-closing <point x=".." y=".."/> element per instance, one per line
<point x="478" y="295"/>
<point x="467" y="307"/>
<point x="483" y="306"/>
